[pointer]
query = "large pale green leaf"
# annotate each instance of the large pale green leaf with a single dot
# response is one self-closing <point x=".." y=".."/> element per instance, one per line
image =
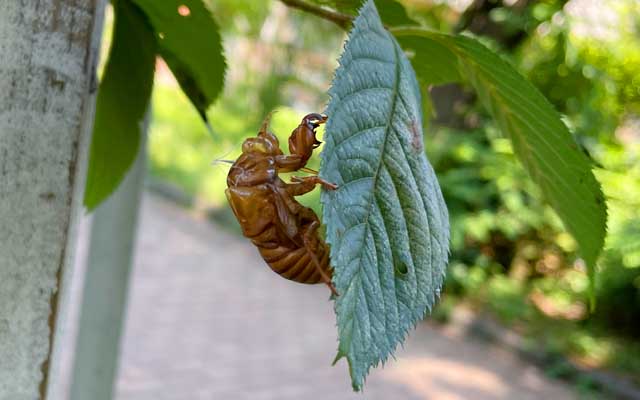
<point x="540" y="139"/>
<point x="387" y="224"/>
<point x="190" y="43"/>
<point x="123" y="98"/>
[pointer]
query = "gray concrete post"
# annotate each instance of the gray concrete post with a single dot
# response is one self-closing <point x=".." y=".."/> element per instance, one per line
<point x="113" y="231"/>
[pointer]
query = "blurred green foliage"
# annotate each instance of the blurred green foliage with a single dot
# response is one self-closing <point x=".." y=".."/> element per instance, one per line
<point x="510" y="254"/>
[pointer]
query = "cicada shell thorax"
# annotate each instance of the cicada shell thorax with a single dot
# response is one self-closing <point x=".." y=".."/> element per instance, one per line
<point x="297" y="264"/>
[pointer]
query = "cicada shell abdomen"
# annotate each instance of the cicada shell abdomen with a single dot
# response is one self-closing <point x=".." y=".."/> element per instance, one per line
<point x="298" y="264"/>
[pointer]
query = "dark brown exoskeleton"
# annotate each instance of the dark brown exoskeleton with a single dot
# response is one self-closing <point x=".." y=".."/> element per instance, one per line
<point x="285" y="231"/>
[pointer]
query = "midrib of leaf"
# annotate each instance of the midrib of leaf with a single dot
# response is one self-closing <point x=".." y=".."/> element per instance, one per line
<point x="373" y="200"/>
<point x="357" y="279"/>
<point x="386" y="221"/>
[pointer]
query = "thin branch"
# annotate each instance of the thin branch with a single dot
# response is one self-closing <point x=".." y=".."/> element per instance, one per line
<point x="344" y="21"/>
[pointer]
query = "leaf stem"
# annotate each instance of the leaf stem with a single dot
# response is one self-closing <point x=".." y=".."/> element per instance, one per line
<point x="344" y="21"/>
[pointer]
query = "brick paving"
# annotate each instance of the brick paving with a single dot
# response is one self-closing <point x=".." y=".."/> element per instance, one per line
<point x="208" y="320"/>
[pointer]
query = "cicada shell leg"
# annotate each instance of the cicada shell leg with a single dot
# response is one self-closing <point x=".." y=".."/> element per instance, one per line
<point x="311" y="242"/>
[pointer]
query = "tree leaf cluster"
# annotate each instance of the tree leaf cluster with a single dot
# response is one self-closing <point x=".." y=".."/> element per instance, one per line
<point x="187" y="37"/>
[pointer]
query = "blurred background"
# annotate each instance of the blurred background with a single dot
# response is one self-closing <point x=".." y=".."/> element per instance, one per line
<point x="513" y="270"/>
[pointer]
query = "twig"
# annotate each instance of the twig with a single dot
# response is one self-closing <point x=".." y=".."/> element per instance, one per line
<point x="342" y="20"/>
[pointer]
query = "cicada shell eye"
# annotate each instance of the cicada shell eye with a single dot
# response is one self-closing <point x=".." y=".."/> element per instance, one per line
<point x="255" y="145"/>
<point x="272" y="148"/>
<point x="314" y="120"/>
<point x="247" y="145"/>
<point x="272" y="144"/>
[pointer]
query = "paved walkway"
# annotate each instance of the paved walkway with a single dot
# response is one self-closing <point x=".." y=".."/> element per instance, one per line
<point x="208" y="320"/>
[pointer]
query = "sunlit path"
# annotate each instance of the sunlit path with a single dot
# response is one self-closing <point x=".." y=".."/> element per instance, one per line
<point x="208" y="320"/>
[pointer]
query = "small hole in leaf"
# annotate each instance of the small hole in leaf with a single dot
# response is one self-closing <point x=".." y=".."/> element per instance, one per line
<point x="401" y="268"/>
<point x="161" y="35"/>
<point x="184" y="10"/>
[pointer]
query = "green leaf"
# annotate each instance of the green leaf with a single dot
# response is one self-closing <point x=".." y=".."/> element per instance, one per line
<point x="434" y="63"/>
<point x="187" y="83"/>
<point x="540" y="139"/>
<point x="123" y="98"/>
<point x="190" y="43"/>
<point x="387" y="223"/>
<point x="391" y="12"/>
